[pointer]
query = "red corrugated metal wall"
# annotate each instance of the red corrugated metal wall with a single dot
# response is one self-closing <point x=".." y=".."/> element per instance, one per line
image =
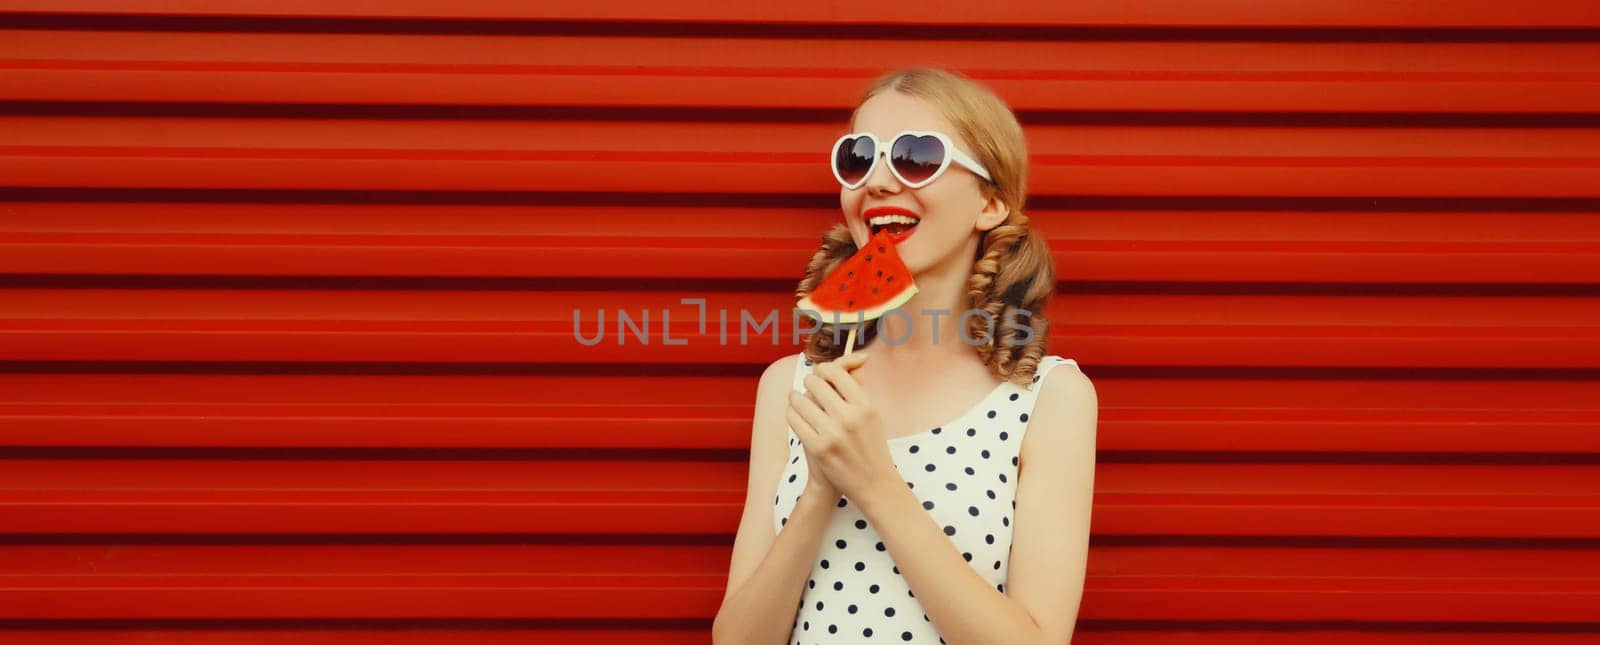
<point x="286" y="292"/>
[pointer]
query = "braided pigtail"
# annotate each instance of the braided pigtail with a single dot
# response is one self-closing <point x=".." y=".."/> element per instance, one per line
<point x="1012" y="281"/>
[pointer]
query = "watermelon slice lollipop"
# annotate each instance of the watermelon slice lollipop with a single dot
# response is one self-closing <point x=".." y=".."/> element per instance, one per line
<point x="871" y="282"/>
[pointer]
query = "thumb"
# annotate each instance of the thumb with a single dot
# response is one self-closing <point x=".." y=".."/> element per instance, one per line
<point x="855" y="359"/>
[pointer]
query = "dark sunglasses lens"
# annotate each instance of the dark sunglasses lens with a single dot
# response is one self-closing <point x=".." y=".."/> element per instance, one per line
<point x="917" y="158"/>
<point x="853" y="158"/>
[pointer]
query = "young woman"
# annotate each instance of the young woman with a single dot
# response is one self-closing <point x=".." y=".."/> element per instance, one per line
<point x="935" y="484"/>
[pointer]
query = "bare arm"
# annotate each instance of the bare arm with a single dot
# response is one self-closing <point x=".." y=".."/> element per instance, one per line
<point x="767" y="573"/>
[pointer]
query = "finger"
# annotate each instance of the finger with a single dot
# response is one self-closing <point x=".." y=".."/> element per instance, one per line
<point x="812" y="414"/>
<point x="854" y="360"/>
<point x="801" y="429"/>
<point x="847" y="387"/>
<point x="850" y="389"/>
<point x="820" y="385"/>
<point x="838" y="373"/>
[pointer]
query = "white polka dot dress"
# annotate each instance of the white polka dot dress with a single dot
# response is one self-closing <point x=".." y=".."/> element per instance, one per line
<point x="965" y="473"/>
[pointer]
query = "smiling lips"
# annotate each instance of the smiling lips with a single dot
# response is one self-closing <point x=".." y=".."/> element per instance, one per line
<point x="900" y="222"/>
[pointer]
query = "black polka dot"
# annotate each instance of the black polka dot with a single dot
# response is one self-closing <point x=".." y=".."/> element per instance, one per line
<point x="863" y="616"/>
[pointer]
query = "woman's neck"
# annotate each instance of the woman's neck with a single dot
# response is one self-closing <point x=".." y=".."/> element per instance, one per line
<point x="927" y="332"/>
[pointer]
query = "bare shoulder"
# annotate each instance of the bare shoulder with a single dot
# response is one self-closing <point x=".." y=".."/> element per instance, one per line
<point x="778" y="377"/>
<point x="1065" y="413"/>
<point x="771" y="399"/>
<point x="1067" y="382"/>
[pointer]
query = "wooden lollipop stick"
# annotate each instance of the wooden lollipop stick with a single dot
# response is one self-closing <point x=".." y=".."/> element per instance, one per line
<point x="850" y="342"/>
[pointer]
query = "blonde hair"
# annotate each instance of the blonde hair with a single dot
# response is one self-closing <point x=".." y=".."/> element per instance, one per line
<point x="1012" y="273"/>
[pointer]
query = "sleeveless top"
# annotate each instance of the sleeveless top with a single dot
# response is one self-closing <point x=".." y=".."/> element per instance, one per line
<point x="965" y="473"/>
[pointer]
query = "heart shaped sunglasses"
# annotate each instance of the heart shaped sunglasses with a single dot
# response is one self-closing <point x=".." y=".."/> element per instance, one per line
<point x="915" y="157"/>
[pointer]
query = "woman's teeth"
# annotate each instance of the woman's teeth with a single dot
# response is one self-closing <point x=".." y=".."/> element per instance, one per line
<point x="895" y="223"/>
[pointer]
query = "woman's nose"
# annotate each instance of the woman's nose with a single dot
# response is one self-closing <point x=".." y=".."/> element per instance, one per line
<point x="881" y="180"/>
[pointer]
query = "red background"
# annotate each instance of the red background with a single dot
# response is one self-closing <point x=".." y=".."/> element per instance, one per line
<point x="286" y="287"/>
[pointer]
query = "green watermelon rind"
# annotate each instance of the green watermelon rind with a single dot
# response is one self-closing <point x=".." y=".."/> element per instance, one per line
<point x="855" y="316"/>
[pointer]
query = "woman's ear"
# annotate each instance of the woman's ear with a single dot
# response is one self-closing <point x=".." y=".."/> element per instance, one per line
<point x="994" y="212"/>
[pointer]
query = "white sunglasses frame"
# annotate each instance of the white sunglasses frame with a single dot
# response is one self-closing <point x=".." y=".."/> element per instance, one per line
<point x="881" y="151"/>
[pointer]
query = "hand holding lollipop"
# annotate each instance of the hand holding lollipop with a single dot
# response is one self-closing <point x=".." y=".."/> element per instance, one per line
<point x="842" y="433"/>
